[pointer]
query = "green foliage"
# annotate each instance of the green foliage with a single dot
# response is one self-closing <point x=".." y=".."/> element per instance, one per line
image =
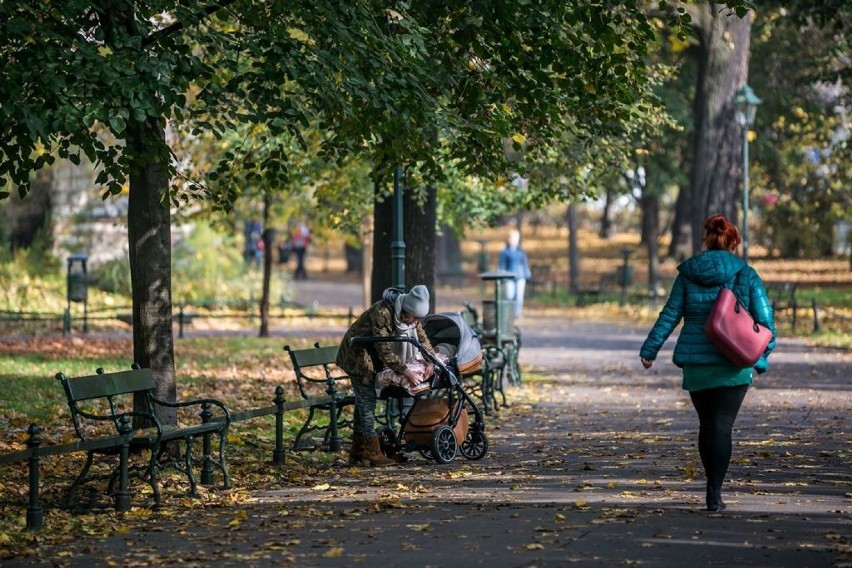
<point x="27" y="284"/>
<point x="802" y="183"/>
<point x="207" y="265"/>
<point x="113" y="276"/>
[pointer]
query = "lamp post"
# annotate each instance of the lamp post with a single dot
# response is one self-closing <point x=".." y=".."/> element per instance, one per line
<point x="745" y="107"/>
<point x="398" y="243"/>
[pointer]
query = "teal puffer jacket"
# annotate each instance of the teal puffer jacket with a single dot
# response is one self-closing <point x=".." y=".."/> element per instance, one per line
<point x="694" y="290"/>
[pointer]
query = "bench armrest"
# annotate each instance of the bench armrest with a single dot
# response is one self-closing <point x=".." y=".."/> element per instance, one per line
<point x="118" y="418"/>
<point x="197" y="402"/>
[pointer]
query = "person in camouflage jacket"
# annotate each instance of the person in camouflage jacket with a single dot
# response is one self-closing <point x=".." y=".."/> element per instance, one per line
<point x="397" y="313"/>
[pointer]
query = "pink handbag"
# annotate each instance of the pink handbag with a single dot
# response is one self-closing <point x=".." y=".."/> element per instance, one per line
<point x="734" y="332"/>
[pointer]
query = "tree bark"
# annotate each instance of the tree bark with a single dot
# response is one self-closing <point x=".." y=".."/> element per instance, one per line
<point x="419" y="236"/>
<point x="605" y="231"/>
<point x="651" y="230"/>
<point x="382" y="271"/>
<point x="681" y="244"/>
<point x="267" y="267"/>
<point x="149" y="235"/>
<point x="573" y="250"/>
<point x="723" y="68"/>
<point x="419" y="228"/>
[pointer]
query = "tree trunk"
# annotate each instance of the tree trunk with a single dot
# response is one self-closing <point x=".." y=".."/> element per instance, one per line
<point x="723" y="68"/>
<point x="449" y="257"/>
<point x="681" y="244"/>
<point x="382" y="271"/>
<point x="367" y="239"/>
<point x="419" y="236"/>
<point x="149" y="235"/>
<point x="573" y="251"/>
<point x="268" y="237"/>
<point x="419" y="228"/>
<point x="605" y="231"/>
<point x="651" y="230"/>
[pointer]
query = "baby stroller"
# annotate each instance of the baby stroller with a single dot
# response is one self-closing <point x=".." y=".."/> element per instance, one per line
<point x="441" y="422"/>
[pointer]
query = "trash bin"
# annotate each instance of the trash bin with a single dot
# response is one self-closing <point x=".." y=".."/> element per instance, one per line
<point x="506" y="318"/>
<point x="624" y="275"/>
<point x="78" y="285"/>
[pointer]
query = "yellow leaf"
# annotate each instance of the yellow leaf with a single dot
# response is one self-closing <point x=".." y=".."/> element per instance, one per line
<point x="335" y="552"/>
<point x="300" y="35"/>
<point x="321" y="487"/>
<point x="534" y="546"/>
<point x="519" y="138"/>
<point x="238" y="518"/>
<point x="104" y="51"/>
<point x="560" y="517"/>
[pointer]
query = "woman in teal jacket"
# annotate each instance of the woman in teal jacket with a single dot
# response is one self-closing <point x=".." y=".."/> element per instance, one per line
<point x="716" y="387"/>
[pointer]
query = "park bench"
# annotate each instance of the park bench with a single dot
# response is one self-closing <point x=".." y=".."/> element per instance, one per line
<point x="606" y="287"/>
<point x="318" y="379"/>
<point x="542" y="280"/>
<point x="102" y="405"/>
<point x="499" y="361"/>
<point x="782" y="295"/>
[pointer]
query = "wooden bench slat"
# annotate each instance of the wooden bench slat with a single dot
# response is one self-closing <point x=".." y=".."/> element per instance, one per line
<point x="314" y="356"/>
<point x="110" y="384"/>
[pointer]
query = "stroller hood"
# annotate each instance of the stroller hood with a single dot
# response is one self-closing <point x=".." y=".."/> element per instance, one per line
<point x="452" y="336"/>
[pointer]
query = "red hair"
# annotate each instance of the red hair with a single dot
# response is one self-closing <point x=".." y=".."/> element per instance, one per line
<point x="721" y="234"/>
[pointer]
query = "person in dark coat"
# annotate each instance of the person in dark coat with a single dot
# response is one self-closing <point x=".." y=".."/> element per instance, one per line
<point x="396" y="314"/>
<point x="716" y="387"/>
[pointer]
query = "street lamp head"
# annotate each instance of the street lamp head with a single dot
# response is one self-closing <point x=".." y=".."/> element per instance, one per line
<point x="745" y="105"/>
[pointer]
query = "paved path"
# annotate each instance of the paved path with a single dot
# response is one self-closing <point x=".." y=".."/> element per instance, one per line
<point x="593" y="464"/>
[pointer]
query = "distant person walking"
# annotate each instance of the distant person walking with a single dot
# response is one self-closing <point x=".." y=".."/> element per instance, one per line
<point x="513" y="259"/>
<point x="299" y="241"/>
<point x="716" y="387"/>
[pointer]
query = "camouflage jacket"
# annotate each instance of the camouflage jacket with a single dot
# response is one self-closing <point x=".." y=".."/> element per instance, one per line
<point x="377" y="320"/>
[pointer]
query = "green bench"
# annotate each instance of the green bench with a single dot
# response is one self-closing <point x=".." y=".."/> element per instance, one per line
<point x="102" y="405"/>
<point x="326" y="390"/>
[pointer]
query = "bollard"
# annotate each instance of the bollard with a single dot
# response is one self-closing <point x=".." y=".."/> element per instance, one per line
<point x="794" y="306"/>
<point x="278" y="452"/>
<point x="816" y="316"/>
<point x="123" y="496"/>
<point x="207" y="469"/>
<point x="35" y="516"/>
<point x="180" y="322"/>
<point x="335" y="442"/>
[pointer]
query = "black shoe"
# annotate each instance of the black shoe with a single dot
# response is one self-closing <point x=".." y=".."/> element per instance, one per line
<point x="714" y="499"/>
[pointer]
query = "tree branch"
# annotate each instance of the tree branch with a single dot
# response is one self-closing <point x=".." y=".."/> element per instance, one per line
<point x="180" y="25"/>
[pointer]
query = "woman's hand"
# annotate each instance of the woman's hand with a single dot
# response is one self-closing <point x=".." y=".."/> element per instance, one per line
<point x="646" y="362"/>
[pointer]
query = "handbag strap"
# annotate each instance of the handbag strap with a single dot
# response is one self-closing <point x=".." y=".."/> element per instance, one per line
<point x="733" y="287"/>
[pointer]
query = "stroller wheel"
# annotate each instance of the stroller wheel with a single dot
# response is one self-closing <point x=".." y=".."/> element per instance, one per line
<point x="475" y="445"/>
<point x="427" y="453"/>
<point x="444" y="446"/>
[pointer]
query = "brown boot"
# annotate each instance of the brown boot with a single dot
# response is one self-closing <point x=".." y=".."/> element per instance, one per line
<point x="356" y="452"/>
<point x="373" y="455"/>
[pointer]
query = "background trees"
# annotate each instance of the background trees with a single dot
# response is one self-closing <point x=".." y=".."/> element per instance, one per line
<point x="436" y="88"/>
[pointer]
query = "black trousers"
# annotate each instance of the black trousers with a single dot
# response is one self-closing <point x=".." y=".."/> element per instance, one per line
<point x="717" y="410"/>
